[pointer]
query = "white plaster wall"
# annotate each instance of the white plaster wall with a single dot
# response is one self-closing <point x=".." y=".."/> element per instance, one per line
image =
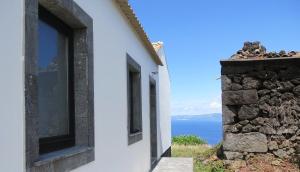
<point x="164" y="103"/>
<point x="113" y="38"/>
<point x="12" y="141"/>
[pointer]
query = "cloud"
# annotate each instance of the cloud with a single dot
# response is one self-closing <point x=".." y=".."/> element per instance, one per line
<point x="196" y="107"/>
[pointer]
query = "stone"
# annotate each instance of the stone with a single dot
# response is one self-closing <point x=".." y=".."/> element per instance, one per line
<point x="265" y="108"/>
<point x="237" y="79"/>
<point x="287" y="96"/>
<point x="233" y="155"/>
<point x="297" y="90"/>
<point x="245" y="122"/>
<point x="275" y="101"/>
<point x="246" y="142"/>
<point x="298" y="149"/>
<point x="296" y="81"/>
<point x="236" y="87"/>
<point x="280" y="153"/>
<point x="264" y="99"/>
<point x="248" y="112"/>
<point x="285" y="86"/>
<point x="272" y="145"/>
<point x="285" y="144"/>
<point x="250" y="83"/>
<point x="269" y="85"/>
<point x="248" y="128"/>
<point x="241" y="97"/>
<point x="226" y="83"/>
<point x="276" y="162"/>
<point x="259" y="121"/>
<point x="290" y="130"/>
<point x="267" y="75"/>
<point x="228" y="115"/>
<point x="263" y="92"/>
<point x="267" y="130"/>
<point x="274" y="122"/>
<point x="235" y="165"/>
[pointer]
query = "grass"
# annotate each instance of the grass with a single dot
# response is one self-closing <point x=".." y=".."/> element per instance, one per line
<point x="188" y="140"/>
<point x="195" y="147"/>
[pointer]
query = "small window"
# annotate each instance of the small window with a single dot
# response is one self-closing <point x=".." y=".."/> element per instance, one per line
<point x="54" y="82"/>
<point x="134" y="101"/>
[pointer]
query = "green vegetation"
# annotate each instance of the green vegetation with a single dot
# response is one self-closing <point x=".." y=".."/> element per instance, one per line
<point x="188" y="140"/>
<point x="205" y="159"/>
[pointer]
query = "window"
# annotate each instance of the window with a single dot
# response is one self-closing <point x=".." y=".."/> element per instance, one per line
<point x="55" y="86"/>
<point x="134" y="101"/>
<point x="59" y="86"/>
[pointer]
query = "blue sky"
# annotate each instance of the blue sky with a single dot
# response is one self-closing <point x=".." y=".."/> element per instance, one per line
<point x="198" y="33"/>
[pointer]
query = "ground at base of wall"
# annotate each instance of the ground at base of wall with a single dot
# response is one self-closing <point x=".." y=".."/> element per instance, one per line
<point x="261" y="163"/>
<point x="206" y="160"/>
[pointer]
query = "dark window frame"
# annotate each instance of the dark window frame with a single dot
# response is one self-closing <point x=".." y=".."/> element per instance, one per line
<point x="82" y="25"/>
<point x="134" y="100"/>
<point x="55" y="143"/>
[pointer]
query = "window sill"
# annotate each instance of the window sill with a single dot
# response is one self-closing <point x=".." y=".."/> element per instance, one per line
<point x="78" y="156"/>
<point x="135" y="137"/>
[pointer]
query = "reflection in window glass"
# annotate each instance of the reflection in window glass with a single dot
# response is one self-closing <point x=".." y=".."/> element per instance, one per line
<point x="52" y="81"/>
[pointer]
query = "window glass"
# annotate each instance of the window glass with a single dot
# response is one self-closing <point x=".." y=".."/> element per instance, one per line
<point x="134" y="96"/>
<point x="52" y="81"/>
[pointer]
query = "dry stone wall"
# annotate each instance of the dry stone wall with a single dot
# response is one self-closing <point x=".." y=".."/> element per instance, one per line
<point x="261" y="107"/>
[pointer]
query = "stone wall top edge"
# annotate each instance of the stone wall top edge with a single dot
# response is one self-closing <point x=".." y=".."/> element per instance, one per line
<point x="245" y="61"/>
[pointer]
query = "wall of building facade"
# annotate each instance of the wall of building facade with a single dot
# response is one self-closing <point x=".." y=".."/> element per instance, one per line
<point x="261" y="107"/>
<point x="12" y="145"/>
<point x="113" y="39"/>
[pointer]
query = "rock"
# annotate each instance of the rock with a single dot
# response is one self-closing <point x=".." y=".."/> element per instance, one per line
<point x="290" y="130"/>
<point x="233" y="155"/>
<point x="246" y="142"/>
<point x="297" y="90"/>
<point x="232" y="128"/>
<point x="248" y="112"/>
<point x="272" y="145"/>
<point x="267" y="75"/>
<point x="263" y="92"/>
<point x="245" y="122"/>
<point x="280" y="153"/>
<point x="235" y="165"/>
<point x="237" y="79"/>
<point x="239" y="97"/>
<point x="285" y="86"/>
<point x="259" y="121"/>
<point x="274" y="122"/>
<point x="265" y="108"/>
<point x="225" y="82"/>
<point x="287" y="96"/>
<point x="285" y="144"/>
<point x="291" y="151"/>
<point x="275" y="101"/>
<point x="276" y="162"/>
<point x="228" y="115"/>
<point x="250" y="83"/>
<point x="298" y="149"/>
<point x="236" y="87"/>
<point x="248" y="128"/>
<point x="264" y="99"/>
<point x="269" y="85"/>
<point x="296" y="81"/>
<point x="267" y="130"/>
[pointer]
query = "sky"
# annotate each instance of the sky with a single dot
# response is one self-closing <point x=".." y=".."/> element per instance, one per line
<point x="197" y="34"/>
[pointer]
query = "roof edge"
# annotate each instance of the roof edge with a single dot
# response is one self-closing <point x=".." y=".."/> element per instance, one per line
<point x="133" y="20"/>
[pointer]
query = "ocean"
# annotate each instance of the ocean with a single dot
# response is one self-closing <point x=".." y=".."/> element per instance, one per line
<point x="207" y="127"/>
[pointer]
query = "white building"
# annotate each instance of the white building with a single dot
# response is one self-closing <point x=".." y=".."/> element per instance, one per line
<point x="82" y="88"/>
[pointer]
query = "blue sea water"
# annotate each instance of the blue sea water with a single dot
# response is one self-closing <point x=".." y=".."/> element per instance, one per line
<point x="207" y="127"/>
